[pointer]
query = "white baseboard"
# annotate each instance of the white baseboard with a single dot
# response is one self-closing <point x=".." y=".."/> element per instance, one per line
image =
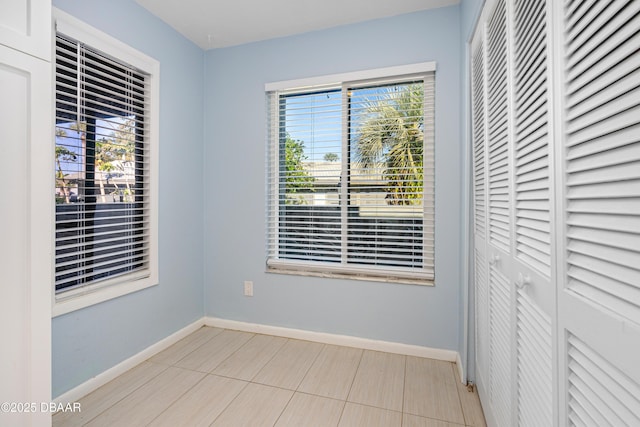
<point x="344" y="340"/>
<point x="99" y="380"/>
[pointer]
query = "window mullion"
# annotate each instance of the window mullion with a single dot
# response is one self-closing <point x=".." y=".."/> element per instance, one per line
<point x="344" y="177"/>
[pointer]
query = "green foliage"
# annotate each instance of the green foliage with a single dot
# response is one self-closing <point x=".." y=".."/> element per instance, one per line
<point x="392" y="134"/>
<point x="297" y="179"/>
<point x="62" y="154"/>
<point x="119" y="146"/>
<point x="330" y="157"/>
<point x="110" y="153"/>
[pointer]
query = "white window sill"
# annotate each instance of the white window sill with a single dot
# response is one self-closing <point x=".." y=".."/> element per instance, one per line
<point x="67" y="302"/>
<point x="303" y="271"/>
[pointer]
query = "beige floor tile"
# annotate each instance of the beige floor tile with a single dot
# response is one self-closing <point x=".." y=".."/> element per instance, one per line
<point x="202" y="404"/>
<point x="430" y="390"/>
<point x="416" y="421"/>
<point x="355" y="415"/>
<point x="311" y="411"/>
<point x="287" y="368"/>
<point x="331" y="375"/>
<point x="257" y="405"/>
<point x="471" y="407"/>
<point x="185" y="346"/>
<point x="247" y="361"/>
<point x="148" y="401"/>
<point x="209" y="355"/>
<point x="379" y="381"/>
<point x="376" y="385"/>
<point x="106" y="396"/>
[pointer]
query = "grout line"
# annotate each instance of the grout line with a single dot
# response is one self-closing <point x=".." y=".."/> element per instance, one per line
<point x="178" y="398"/>
<point x="404" y="385"/>
<point x="355" y="375"/>
<point x="464" y="416"/>
<point x="315" y="359"/>
<point x="231" y="354"/>
<point x="128" y="394"/>
<point x="286" y="340"/>
<point x="198" y="347"/>
<point x="230" y="402"/>
<point x="351" y="386"/>
<point x="293" y="393"/>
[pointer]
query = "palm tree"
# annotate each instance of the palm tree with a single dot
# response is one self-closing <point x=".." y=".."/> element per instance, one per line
<point x="392" y="133"/>
<point x="63" y="154"/>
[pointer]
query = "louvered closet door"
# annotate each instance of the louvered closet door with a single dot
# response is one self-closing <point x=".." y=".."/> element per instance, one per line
<point x="533" y="205"/>
<point x="493" y="215"/>
<point x="511" y="119"/>
<point x="599" y="289"/>
<point x="499" y="216"/>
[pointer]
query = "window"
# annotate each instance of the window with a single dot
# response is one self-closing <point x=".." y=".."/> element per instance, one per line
<point x="105" y="167"/>
<point x="351" y="175"/>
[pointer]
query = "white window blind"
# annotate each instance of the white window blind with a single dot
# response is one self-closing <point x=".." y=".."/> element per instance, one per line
<point x="102" y="168"/>
<point x="350" y="178"/>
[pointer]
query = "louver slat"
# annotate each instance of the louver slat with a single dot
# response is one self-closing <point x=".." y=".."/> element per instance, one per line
<point x="598" y="392"/>
<point x="498" y="151"/>
<point x="534" y="364"/>
<point x="500" y="348"/>
<point x="603" y="159"/>
<point x="482" y="309"/>
<point x="532" y="227"/>
<point x="479" y="142"/>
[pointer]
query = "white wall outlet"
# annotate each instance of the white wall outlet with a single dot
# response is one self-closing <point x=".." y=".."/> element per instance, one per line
<point x="248" y="288"/>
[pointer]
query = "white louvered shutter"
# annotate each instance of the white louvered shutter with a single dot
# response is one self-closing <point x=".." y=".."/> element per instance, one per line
<point x="512" y="132"/>
<point x="491" y="215"/>
<point x="498" y="130"/>
<point x="535" y="363"/>
<point x="532" y="212"/>
<point x="533" y="244"/>
<point x="600" y="154"/>
<point x="565" y="247"/>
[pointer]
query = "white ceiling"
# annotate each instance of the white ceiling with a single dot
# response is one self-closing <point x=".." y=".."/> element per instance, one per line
<point x="220" y="23"/>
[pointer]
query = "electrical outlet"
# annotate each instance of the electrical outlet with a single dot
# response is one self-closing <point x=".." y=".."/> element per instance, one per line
<point x="248" y="288"/>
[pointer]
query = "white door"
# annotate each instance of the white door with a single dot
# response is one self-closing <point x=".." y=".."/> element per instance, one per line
<point x="599" y="156"/>
<point x="492" y="214"/>
<point x="26" y="248"/>
<point x="513" y="201"/>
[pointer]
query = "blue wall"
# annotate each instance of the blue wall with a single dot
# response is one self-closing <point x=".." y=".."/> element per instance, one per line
<point x="212" y="192"/>
<point x="234" y="187"/>
<point x="89" y="341"/>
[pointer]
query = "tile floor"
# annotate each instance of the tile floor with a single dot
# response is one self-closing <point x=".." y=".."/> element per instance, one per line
<point x="219" y="377"/>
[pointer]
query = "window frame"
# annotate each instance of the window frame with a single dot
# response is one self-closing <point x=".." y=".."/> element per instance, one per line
<point x="74" y="299"/>
<point x="342" y="82"/>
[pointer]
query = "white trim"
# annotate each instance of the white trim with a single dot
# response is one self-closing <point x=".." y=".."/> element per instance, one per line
<point x="69" y="301"/>
<point x="85" y="33"/>
<point x="337" y="79"/>
<point x="91" y="295"/>
<point x="110" y="374"/>
<point x="335" y="339"/>
<point x="349" y="271"/>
